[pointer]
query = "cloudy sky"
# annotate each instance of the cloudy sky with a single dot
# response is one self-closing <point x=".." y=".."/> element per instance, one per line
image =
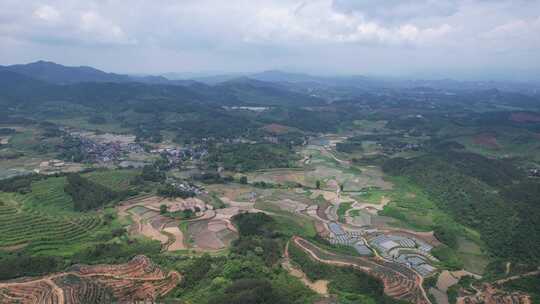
<point x="377" y="37"/>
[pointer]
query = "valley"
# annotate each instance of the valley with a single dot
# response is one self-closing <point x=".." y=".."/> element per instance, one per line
<point x="197" y="193"/>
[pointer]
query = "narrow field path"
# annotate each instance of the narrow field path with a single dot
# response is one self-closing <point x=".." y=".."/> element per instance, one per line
<point x="519" y="276"/>
<point x="319" y="286"/>
<point x="328" y="152"/>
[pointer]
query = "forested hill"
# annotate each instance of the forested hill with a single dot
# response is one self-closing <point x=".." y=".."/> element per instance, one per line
<point x="487" y="195"/>
<point x="59" y="74"/>
<point x="16" y="88"/>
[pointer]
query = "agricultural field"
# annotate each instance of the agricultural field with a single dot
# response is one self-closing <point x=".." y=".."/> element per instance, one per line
<point x="84" y="122"/>
<point x="117" y="180"/>
<point x="48" y="196"/>
<point x="137" y="280"/>
<point x="43" y="220"/>
<point x="399" y="282"/>
<point x="354" y="196"/>
<point x="324" y="166"/>
<point x="503" y="143"/>
<point x="279" y="176"/>
<point x="208" y="230"/>
<point x="43" y="231"/>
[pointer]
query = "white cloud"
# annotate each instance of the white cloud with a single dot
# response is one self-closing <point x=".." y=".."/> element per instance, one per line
<point x="247" y="34"/>
<point x="59" y="23"/>
<point x="47" y="13"/>
<point x="522" y="33"/>
<point x="96" y="27"/>
<point x="397" y="11"/>
<point x="318" y="22"/>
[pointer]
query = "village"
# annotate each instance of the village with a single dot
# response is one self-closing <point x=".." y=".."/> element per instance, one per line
<point x="117" y="151"/>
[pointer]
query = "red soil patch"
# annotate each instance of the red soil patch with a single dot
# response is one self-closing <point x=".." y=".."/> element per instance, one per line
<point x="486" y="140"/>
<point x="321" y="210"/>
<point x="321" y="229"/>
<point x="492" y="295"/>
<point x="136" y="281"/>
<point x="524" y="117"/>
<point x="276" y="128"/>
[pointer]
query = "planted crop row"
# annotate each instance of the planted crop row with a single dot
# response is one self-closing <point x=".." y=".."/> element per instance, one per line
<point x="42" y="231"/>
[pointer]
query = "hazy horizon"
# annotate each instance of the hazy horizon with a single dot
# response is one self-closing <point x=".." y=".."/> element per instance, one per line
<point x="459" y="39"/>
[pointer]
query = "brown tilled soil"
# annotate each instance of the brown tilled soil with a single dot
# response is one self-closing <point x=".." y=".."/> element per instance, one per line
<point x="178" y="243"/>
<point x="486" y="140"/>
<point x="211" y="234"/>
<point x="276" y="128"/>
<point x="321" y="210"/>
<point x="524" y="117"/>
<point x="321" y="229"/>
<point x="488" y="294"/>
<point x="151" y="224"/>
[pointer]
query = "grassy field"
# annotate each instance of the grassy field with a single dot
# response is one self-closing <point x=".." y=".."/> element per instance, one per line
<point x="409" y="205"/>
<point x="369" y="125"/>
<point x="324" y="168"/>
<point x="23" y="140"/>
<point x="414" y="210"/>
<point x="507" y="141"/>
<point x="373" y="196"/>
<point x="82" y="123"/>
<point x="117" y="180"/>
<point x="472" y="255"/>
<point x="289" y="223"/>
<point x="343" y="207"/>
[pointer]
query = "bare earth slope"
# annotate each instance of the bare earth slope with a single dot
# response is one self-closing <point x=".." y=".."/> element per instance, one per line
<point x="137" y="280"/>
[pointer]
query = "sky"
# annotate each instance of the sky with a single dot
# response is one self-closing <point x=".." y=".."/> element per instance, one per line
<point x="432" y="38"/>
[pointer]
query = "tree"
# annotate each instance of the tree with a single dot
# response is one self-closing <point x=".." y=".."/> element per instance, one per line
<point x="152" y="174"/>
<point x="87" y="194"/>
<point x="318" y="184"/>
<point x="187" y="214"/>
<point x="243" y="180"/>
<point x="163" y="209"/>
<point x="341" y="187"/>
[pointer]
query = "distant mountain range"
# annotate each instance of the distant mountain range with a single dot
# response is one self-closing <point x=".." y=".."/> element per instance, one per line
<point x="55" y="73"/>
<point x="276" y="83"/>
<point x="46" y="81"/>
<point x="59" y="74"/>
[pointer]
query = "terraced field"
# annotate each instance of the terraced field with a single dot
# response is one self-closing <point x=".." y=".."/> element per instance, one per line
<point x="399" y="281"/>
<point x="136" y="281"/>
<point x="43" y="233"/>
<point x="48" y="196"/>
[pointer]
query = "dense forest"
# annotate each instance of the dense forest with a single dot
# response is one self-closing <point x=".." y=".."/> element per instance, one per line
<point x="490" y="196"/>
<point x="250" y="157"/>
<point x="249" y="274"/>
<point x="88" y="195"/>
